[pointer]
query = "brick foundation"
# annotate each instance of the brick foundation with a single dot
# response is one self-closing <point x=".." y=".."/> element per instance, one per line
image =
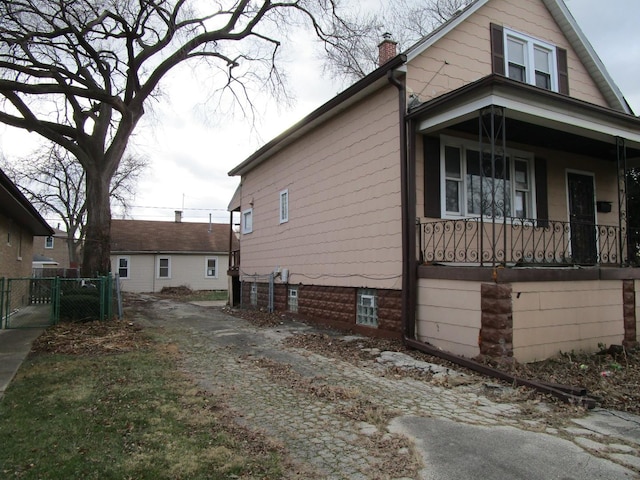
<point x="496" y="332"/>
<point x="334" y="307"/>
<point x="629" y="314"/>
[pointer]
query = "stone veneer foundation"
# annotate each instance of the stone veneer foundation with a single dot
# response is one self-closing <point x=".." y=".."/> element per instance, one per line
<point x="496" y="331"/>
<point x="334" y="307"/>
<point x="629" y="313"/>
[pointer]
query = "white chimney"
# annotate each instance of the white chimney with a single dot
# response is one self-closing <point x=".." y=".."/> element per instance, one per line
<point x="386" y="49"/>
<point x="178" y="216"/>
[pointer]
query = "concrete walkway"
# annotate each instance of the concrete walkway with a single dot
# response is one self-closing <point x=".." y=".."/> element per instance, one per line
<point x="15" y="345"/>
<point x="345" y="420"/>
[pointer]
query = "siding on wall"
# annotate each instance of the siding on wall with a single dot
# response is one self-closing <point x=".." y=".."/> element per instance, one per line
<point x="15" y="258"/>
<point x="466" y="51"/>
<point x="449" y="315"/>
<point x="549" y="317"/>
<point x="343" y="179"/>
<point x="187" y="270"/>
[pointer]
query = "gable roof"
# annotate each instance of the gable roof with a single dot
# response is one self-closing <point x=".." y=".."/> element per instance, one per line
<point x="570" y="30"/>
<point x="15" y="205"/>
<point x="145" y="236"/>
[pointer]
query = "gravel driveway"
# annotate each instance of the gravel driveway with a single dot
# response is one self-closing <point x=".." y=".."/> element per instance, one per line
<point x="364" y="420"/>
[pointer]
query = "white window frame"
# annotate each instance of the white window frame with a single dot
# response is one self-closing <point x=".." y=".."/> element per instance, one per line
<point x="158" y="267"/>
<point x="48" y="245"/>
<point x="127" y="268"/>
<point x="530" y="44"/>
<point x="206" y="267"/>
<point x="512" y="154"/>
<point x="247" y="226"/>
<point x="292" y="299"/>
<point x="284" y="206"/>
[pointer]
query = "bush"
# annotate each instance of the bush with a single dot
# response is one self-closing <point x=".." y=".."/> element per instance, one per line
<point x="83" y="307"/>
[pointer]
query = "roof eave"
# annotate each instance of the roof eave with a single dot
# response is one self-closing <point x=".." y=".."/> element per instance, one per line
<point x="331" y="108"/>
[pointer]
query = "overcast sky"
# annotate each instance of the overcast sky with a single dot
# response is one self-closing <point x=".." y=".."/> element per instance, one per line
<point x="191" y="151"/>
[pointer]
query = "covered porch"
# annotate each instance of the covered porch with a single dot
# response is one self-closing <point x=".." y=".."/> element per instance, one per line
<point x="522" y="222"/>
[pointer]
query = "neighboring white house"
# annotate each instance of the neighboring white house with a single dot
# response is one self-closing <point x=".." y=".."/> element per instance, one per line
<point x="150" y="255"/>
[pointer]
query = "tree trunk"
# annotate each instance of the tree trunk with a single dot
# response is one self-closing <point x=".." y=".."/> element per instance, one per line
<point x="97" y="247"/>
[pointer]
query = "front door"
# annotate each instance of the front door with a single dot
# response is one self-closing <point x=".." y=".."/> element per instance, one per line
<point x="582" y="218"/>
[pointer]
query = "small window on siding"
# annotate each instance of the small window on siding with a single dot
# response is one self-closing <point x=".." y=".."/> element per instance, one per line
<point x="48" y="242"/>
<point x="531" y="61"/>
<point x="293" y="299"/>
<point x="367" y="307"/>
<point x="211" y="267"/>
<point x="284" y="206"/>
<point x="247" y="221"/>
<point x="123" y="267"/>
<point x="164" y="267"/>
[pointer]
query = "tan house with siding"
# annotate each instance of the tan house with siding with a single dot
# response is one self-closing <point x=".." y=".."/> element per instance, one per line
<point x="151" y="255"/>
<point x="469" y="194"/>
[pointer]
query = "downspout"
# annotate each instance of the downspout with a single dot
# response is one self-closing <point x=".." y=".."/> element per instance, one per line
<point x="408" y="206"/>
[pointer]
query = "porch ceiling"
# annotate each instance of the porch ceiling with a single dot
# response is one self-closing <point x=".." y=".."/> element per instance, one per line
<point x="535" y="117"/>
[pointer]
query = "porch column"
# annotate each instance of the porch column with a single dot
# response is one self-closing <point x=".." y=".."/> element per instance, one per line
<point x="623" y="218"/>
<point x="492" y="140"/>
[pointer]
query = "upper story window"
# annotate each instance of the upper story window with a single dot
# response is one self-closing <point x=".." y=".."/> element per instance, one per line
<point x="472" y="186"/>
<point x="529" y="60"/>
<point x="48" y="242"/>
<point x="247" y="221"/>
<point x="284" y="206"/>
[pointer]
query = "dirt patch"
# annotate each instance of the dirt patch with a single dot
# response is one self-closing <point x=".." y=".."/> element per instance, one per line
<point x="91" y="338"/>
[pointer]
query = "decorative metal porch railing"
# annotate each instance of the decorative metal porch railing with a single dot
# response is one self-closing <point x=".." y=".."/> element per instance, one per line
<point x="520" y="241"/>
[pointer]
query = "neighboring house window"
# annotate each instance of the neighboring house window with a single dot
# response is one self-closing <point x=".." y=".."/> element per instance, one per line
<point x="123" y="267"/>
<point x="247" y="221"/>
<point x="529" y="60"/>
<point x="253" y="294"/>
<point x="367" y="307"/>
<point x="284" y="206"/>
<point x="472" y="186"/>
<point x="293" y="299"/>
<point x="48" y="242"/>
<point x="211" y="267"/>
<point x="164" y="267"/>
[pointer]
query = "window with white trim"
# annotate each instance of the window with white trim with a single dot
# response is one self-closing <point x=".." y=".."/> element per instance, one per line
<point x="247" y="221"/>
<point x="164" y="267"/>
<point x="530" y="60"/>
<point x="123" y="267"/>
<point x="293" y="299"/>
<point x="48" y="242"/>
<point x="472" y="186"/>
<point x="284" y="206"/>
<point x="211" y="267"/>
<point x="367" y="307"/>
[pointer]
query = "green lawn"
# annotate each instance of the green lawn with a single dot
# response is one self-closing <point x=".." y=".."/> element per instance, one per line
<point x="121" y="416"/>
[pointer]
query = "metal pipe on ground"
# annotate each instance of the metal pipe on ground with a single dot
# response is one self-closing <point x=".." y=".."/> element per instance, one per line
<point x="566" y="393"/>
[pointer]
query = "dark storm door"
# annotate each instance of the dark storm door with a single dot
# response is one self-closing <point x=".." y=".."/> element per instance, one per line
<point x="582" y="218"/>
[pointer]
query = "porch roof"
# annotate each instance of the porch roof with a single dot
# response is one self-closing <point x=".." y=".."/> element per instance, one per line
<point x="538" y="107"/>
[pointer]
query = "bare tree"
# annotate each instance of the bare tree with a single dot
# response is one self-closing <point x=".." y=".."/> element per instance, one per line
<point x="54" y="182"/>
<point x="407" y="20"/>
<point x="80" y="72"/>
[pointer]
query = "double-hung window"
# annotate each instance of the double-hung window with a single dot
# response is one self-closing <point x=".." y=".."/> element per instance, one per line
<point x="164" y="267"/>
<point x="530" y="60"/>
<point x="211" y="267"/>
<point x="123" y="267"/>
<point x="48" y="242"/>
<point x="473" y="185"/>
